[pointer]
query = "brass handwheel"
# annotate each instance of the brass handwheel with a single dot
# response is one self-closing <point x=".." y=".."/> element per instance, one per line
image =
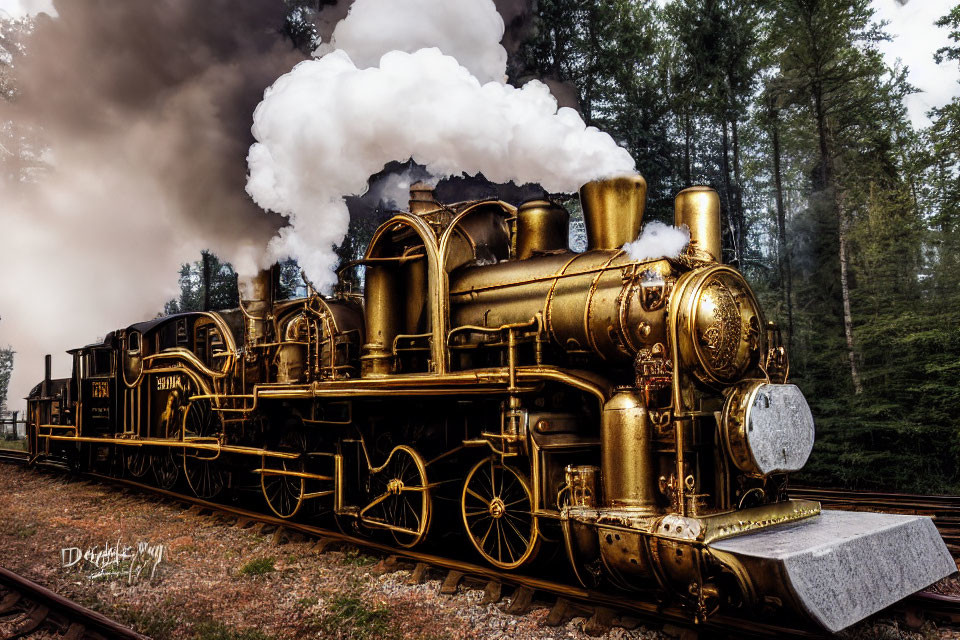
<point x="497" y="508"/>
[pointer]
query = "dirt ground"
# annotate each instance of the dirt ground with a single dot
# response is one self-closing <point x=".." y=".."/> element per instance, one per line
<point x="172" y="574"/>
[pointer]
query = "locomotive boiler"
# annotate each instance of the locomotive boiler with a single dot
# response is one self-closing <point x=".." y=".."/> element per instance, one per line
<point x="490" y="384"/>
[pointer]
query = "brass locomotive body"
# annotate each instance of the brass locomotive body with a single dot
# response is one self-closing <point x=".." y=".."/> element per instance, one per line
<point x="636" y="411"/>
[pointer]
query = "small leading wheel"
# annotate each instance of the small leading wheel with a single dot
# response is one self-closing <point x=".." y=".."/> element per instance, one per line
<point x="401" y="497"/>
<point x="137" y="462"/>
<point x="284" y="494"/>
<point x="204" y="476"/>
<point x="497" y="508"/>
<point x="165" y="470"/>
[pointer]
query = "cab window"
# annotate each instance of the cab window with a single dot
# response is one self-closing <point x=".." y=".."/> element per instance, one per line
<point x="99" y="362"/>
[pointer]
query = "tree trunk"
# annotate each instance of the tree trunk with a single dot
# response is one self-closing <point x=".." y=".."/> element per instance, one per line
<point x="829" y="184"/>
<point x="845" y="288"/>
<point x="686" y="146"/>
<point x="206" y="281"/>
<point x="731" y="218"/>
<point x="786" y="271"/>
<point x="738" y="192"/>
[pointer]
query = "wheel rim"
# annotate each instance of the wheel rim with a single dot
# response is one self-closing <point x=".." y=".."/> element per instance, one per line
<point x="284" y="494"/>
<point x="137" y="463"/>
<point x="401" y="497"/>
<point x="497" y="509"/>
<point x="203" y="476"/>
<point x="165" y="470"/>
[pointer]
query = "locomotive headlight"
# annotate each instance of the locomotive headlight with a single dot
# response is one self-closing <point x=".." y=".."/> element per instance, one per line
<point x="767" y="428"/>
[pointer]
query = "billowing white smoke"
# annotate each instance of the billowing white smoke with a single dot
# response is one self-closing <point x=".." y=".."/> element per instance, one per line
<point x="330" y="123"/>
<point x="658" y="240"/>
<point x="468" y="31"/>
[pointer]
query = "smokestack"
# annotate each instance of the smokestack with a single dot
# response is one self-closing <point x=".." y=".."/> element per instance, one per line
<point x="47" y="367"/>
<point x="256" y="301"/>
<point x="698" y="208"/>
<point x="422" y="198"/>
<point x="613" y="210"/>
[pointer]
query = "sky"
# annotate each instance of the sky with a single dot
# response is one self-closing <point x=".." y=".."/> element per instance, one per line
<point x="20" y="8"/>
<point x="915" y="40"/>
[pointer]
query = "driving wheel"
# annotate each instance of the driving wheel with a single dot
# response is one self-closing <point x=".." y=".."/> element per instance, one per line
<point x="204" y="476"/>
<point x="497" y="509"/>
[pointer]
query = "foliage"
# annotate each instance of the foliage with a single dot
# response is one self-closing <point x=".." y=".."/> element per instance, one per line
<point x="6" y="369"/>
<point x="719" y="92"/>
<point x="843" y="216"/>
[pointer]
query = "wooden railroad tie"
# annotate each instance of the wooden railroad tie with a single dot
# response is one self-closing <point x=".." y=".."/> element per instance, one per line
<point x="492" y="592"/>
<point x="521" y="601"/>
<point x="450" y="583"/>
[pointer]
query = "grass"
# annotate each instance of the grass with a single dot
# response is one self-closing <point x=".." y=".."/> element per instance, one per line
<point x="354" y="558"/>
<point x="24" y="531"/>
<point x="211" y="630"/>
<point x="153" y="623"/>
<point x="159" y="625"/>
<point x="351" y="618"/>
<point x="16" y="445"/>
<point x="257" y="567"/>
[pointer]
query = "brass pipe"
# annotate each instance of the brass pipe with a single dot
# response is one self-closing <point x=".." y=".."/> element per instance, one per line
<point x="382" y="317"/>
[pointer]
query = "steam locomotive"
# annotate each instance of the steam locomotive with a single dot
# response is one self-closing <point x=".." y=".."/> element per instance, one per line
<point x="489" y="380"/>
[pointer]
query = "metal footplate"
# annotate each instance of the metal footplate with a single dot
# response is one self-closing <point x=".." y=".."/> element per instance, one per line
<point x="841" y="566"/>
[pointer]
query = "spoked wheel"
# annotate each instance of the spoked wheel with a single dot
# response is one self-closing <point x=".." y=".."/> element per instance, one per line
<point x="165" y="470"/>
<point x="284" y="494"/>
<point x="497" y="508"/>
<point x="137" y="462"/>
<point x="401" y="497"/>
<point x="204" y="476"/>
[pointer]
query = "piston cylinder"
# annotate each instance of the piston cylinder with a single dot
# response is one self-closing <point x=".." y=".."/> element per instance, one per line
<point x="626" y="451"/>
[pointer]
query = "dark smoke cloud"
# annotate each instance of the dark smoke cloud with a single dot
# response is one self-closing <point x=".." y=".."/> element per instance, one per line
<point x="145" y="107"/>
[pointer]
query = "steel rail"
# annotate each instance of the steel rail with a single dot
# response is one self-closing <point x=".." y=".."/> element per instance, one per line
<point x="945" y="510"/>
<point x="89" y="620"/>
<point x="649" y="611"/>
<point x="645" y="610"/>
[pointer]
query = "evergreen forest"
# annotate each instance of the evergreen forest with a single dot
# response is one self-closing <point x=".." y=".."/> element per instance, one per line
<point x="842" y="213"/>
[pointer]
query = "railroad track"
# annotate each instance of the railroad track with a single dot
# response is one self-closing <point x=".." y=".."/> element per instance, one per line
<point x="601" y="609"/>
<point x="29" y="610"/>
<point x="14" y="455"/>
<point x="945" y="510"/>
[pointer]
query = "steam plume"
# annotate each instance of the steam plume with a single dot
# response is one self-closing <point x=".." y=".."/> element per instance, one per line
<point x="331" y="122"/>
<point x="143" y="109"/>
<point x="658" y="240"/>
